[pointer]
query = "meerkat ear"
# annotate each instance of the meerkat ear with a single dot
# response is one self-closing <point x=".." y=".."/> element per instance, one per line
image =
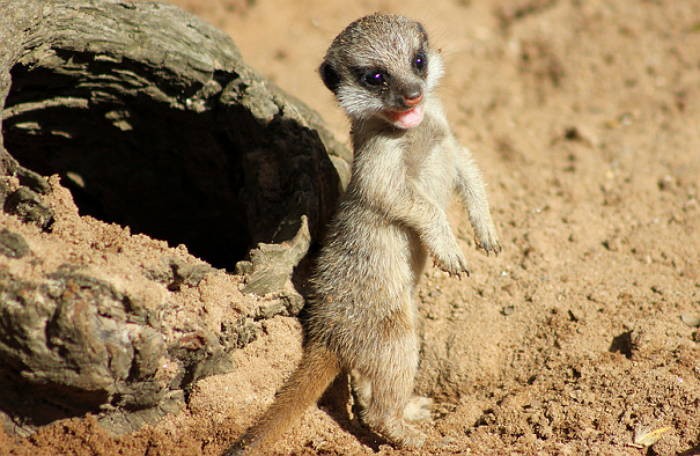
<point x="330" y="77"/>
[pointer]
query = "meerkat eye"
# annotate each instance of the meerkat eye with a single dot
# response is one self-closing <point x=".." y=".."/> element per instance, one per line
<point x="420" y="60"/>
<point x="374" y="78"/>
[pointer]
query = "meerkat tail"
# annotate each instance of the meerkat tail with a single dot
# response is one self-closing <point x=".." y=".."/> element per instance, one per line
<point x="317" y="369"/>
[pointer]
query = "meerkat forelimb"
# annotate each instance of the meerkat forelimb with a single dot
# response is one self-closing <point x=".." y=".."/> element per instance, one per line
<point x="407" y="163"/>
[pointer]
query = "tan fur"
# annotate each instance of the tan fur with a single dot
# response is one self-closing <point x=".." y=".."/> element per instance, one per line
<point x="392" y="216"/>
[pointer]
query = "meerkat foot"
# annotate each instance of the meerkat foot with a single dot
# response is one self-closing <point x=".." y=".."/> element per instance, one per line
<point x="487" y="239"/>
<point x="406" y="436"/>
<point x="400" y="433"/>
<point x="454" y="265"/>
<point x="418" y="409"/>
<point x="411" y="438"/>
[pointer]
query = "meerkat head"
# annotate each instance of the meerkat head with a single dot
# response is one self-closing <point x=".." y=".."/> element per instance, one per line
<point x="381" y="66"/>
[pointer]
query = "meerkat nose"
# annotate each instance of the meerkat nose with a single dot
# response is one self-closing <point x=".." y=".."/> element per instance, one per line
<point x="412" y="99"/>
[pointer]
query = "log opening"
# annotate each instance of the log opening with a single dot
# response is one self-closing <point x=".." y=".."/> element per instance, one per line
<point x="130" y="158"/>
<point x="153" y="121"/>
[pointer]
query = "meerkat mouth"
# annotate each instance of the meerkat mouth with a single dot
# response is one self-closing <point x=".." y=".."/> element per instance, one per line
<point x="409" y="118"/>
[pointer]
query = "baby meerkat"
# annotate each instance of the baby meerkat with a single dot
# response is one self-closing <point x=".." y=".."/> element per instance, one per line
<point x="407" y="163"/>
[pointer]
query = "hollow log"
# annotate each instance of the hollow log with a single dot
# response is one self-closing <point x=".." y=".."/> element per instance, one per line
<point x="152" y="121"/>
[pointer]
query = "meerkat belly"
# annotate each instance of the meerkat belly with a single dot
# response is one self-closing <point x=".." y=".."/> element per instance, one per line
<point x="366" y="277"/>
<point x="368" y="259"/>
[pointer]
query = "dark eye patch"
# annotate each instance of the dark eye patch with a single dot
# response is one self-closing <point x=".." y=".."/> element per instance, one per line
<point x="374" y="77"/>
<point x="420" y="61"/>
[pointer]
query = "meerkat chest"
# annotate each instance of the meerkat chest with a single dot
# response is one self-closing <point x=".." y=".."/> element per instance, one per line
<point x="428" y="163"/>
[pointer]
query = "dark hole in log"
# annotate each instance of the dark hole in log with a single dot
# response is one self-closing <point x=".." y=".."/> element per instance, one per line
<point x="175" y="158"/>
<point x="167" y="172"/>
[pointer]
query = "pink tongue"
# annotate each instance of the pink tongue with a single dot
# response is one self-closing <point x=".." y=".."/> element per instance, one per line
<point x="408" y="119"/>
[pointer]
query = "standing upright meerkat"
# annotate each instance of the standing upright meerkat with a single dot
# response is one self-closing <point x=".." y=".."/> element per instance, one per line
<point x="407" y="163"/>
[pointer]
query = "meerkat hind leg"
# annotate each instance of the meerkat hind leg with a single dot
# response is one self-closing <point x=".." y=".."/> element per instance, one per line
<point x="418" y="408"/>
<point x="390" y="390"/>
<point x="385" y="413"/>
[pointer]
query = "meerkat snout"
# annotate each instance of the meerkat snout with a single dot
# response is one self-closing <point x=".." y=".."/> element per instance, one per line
<point x="413" y="98"/>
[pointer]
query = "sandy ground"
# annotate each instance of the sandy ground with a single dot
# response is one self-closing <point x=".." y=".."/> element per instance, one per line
<point x="585" y="119"/>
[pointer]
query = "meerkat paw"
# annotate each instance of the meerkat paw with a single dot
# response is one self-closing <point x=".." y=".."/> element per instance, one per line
<point x="413" y="439"/>
<point x="396" y="430"/>
<point x="405" y="436"/>
<point x="487" y="239"/>
<point x="418" y="409"/>
<point x="455" y="264"/>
